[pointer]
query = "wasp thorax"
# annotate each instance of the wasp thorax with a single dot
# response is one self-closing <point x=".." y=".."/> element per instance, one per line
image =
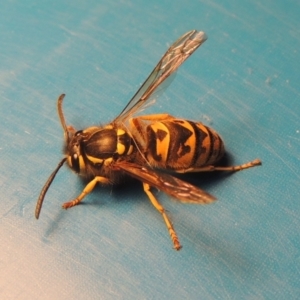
<point x="101" y="144"/>
<point x="96" y="146"/>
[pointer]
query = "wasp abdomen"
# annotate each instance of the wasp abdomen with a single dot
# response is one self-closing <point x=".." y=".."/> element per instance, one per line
<point x="180" y="144"/>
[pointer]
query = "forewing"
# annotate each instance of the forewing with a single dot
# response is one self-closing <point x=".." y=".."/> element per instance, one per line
<point x="167" y="183"/>
<point x="167" y="66"/>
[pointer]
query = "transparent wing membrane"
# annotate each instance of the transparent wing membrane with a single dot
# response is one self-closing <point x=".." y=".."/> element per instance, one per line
<point x="169" y="63"/>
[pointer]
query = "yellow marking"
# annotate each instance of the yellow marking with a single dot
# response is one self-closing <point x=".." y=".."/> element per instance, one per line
<point x="160" y="208"/>
<point x="88" y="188"/>
<point x="95" y="160"/>
<point x="108" y="161"/>
<point x="81" y="164"/>
<point x="120" y="148"/>
<point x="186" y="159"/>
<point x="120" y="132"/>
<point x="162" y="146"/>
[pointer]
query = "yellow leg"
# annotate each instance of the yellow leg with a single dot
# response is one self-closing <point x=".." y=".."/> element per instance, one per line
<point x="88" y="188"/>
<point x="251" y="164"/>
<point x="160" y="208"/>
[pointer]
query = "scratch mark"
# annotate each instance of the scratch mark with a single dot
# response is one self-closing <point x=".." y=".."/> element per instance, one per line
<point x="68" y="30"/>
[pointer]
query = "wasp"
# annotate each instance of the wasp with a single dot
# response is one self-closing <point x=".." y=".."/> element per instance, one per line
<point x="149" y="148"/>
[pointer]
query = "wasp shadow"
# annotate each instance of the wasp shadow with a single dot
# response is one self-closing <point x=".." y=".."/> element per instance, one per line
<point x="132" y="190"/>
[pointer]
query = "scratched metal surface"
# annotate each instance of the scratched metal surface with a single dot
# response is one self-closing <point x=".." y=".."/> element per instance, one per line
<point x="244" y="82"/>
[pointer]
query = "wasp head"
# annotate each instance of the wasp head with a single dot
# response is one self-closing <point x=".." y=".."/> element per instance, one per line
<point x="74" y="152"/>
<point x="73" y="141"/>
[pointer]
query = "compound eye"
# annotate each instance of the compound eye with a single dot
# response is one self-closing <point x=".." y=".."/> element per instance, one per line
<point x="75" y="163"/>
<point x="79" y="132"/>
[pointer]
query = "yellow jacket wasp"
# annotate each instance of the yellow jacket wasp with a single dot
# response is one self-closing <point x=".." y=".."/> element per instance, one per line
<point x="144" y="147"/>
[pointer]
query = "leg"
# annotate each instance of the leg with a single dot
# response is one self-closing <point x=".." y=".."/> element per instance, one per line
<point x="160" y="208"/>
<point x="88" y="188"/>
<point x="254" y="163"/>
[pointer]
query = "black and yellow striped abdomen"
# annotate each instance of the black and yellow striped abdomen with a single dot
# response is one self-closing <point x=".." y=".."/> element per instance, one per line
<point x="182" y="144"/>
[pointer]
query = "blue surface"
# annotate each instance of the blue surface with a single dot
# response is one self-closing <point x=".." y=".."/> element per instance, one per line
<point x="244" y="82"/>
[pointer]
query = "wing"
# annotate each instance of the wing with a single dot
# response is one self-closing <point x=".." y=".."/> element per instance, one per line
<point x="167" y="66"/>
<point x="167" y="183"/>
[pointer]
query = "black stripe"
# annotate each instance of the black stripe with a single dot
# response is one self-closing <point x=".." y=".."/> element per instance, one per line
<point x="211" y="144"/>
<point x="179" y="134"/>
<point x="151" y="140"/>
<point x="199" y="137"/>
